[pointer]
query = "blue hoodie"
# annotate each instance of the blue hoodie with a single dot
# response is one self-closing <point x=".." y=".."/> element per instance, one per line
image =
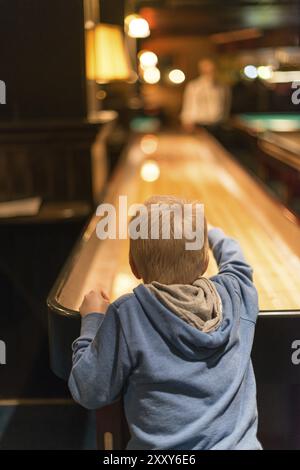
<point x="182" y="388"/>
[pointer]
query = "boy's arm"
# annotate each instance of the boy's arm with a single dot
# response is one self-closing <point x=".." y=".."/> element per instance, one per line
<point x="231" y="262"/>
<point x="229" y="256"/>
<point x="101" y="362"/>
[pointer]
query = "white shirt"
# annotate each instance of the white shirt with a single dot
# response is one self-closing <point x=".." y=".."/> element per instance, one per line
<point x="204" y="102"/>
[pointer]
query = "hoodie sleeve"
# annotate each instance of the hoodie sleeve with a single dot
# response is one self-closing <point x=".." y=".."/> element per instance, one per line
<point x="230" y="259"/>
<point x="101" y="362"/>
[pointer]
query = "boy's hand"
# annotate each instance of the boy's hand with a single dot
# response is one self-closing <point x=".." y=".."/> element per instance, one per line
<point x="94" y="302"/>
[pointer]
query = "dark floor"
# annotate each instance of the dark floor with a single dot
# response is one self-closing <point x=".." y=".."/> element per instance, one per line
<point x="66" y="426"/>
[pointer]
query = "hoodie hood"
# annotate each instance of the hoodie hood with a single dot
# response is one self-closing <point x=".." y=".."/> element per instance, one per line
<point x="189" y="341"/>
<point x="198" y="304"/>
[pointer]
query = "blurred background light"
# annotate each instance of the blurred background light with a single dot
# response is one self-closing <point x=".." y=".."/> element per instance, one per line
<point x="149" y="144"/>
<point x="250" y="71"/>
<point x="137" y="27"/>
<point x="151" y="75"/>
<point x="285" y="76"/>
<point x="150" y="171"/>
<point x="177" y="76"/>
<point x="265" y="72"/>
<point x="148" y="59"/>
<point x="89" y="24"/>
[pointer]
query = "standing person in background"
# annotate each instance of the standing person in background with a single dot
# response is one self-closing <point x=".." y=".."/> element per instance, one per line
<point x="206" y="101"/>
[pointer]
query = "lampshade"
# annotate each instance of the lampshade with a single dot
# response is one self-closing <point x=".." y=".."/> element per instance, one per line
<point x="107" y="59"/>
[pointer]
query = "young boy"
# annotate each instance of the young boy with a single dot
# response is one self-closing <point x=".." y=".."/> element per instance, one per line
<point x="178" y="348"/>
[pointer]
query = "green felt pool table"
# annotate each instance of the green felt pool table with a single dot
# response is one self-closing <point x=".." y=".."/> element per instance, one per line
<point x="256" y="123"/>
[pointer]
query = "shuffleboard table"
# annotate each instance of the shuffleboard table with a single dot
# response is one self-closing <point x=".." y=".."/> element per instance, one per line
<point x="197" y="167"/>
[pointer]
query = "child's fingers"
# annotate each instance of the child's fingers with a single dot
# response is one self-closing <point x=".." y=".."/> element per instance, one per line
<point x="90" y="293"/>
<point x="104" y="295"/>
<point x="93" y="294"/>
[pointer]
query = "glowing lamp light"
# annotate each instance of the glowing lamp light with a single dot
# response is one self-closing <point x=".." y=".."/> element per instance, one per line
<point x="149" y="144"/>
<point x="107" y="58"/>
<point x="151" y="75"/>
<point x="177" y="76"/>
<point x="137" y="27"/>
<point x="123" y="283"/>
<point x="250" y="71"/>
<point x="265" y="72"/>
<point x="150" y="171"/>
<point x="148" y="59"/>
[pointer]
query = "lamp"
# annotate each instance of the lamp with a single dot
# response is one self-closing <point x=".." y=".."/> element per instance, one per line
<point x="107" y="59"/>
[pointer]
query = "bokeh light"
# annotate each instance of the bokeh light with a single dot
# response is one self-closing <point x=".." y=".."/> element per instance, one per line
<point x="148" y="59"/>
<point x="89" y="24"/>
<point x="177" y="76"/>
<point x="250" y="71"/>
<point x="138" y="27"/>
<point x="265" y="72"/>
<point x="151" y="75"/>
<point x="149" y="144"/>
<point x="150" y="171"/>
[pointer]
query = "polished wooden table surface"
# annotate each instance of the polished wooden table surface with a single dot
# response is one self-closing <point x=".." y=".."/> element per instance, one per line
<point x="195" y="167"/>
<point x="283" y="146"/>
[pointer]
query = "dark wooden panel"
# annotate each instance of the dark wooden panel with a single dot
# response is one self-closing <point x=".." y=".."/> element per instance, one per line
<point x="42" y="58"/>
<point x="53" y="162"/>
<point x="31" y="255"/>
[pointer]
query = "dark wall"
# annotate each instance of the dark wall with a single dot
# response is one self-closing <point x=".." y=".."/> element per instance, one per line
<point x="42" y="59"/>
<point x="42" y="64"/>
<point x="112" y="11"/>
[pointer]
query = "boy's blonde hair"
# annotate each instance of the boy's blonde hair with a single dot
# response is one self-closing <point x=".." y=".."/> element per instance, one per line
<point x="167" y="260"/>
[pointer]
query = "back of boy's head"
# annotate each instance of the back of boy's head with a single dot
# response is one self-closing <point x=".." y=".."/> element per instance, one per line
<point x="167" y="260"/>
